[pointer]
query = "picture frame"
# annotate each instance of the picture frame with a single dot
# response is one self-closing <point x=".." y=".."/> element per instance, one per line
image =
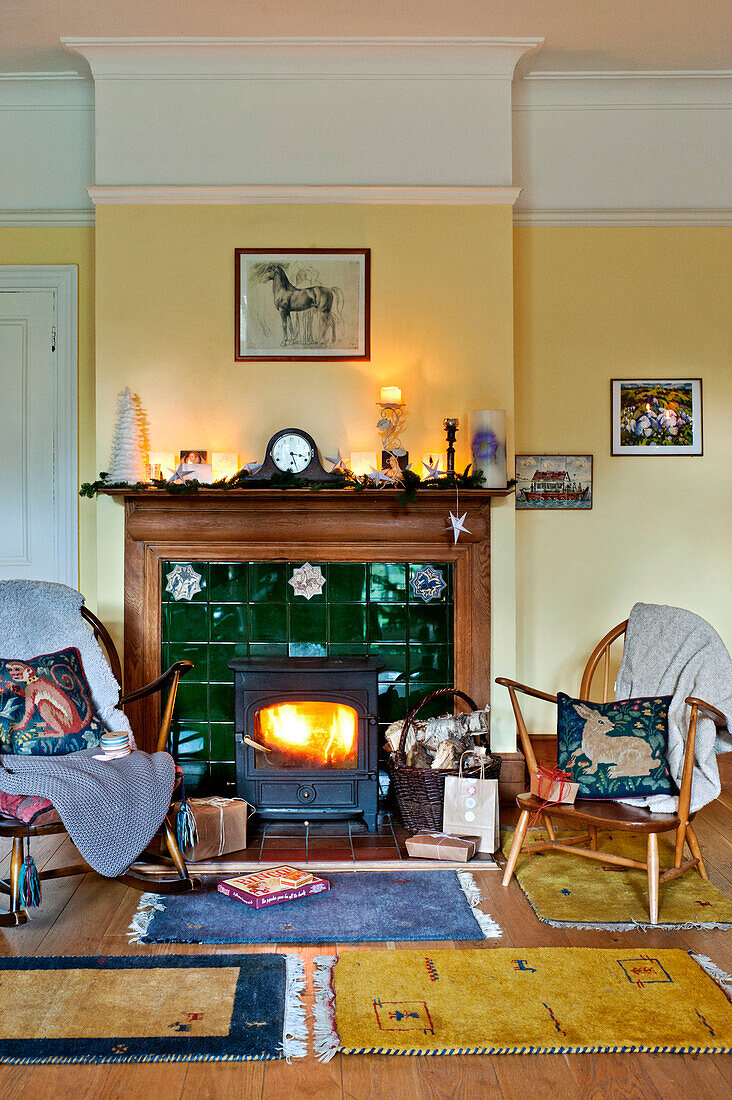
<point x="302" y="304"/>
<point x="656" y="416"/>
<point x="551" y="482"/>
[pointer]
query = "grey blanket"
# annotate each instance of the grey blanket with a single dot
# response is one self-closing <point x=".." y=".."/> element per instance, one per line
<point x="670" y="651"/>
<point x="110" y="808"/>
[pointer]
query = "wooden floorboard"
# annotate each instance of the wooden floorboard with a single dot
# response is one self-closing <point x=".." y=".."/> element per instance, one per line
<point x="89" y="915"/>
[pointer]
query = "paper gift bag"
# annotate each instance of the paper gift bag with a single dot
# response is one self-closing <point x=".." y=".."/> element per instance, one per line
<point x="471" y="809"/>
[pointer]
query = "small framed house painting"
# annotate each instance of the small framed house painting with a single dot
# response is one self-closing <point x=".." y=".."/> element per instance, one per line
<point x="546" y="482"/>
<point x="656" y="416"/>
<point x="300" y="304"/>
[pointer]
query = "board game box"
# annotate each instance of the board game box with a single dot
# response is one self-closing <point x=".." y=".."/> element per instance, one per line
<point x="273" y="886"/>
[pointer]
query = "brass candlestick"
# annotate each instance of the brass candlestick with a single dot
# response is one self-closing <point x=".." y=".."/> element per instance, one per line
<point x="451" y="425"/>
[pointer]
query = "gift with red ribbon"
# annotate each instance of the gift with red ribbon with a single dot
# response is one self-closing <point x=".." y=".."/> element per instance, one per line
<point x="553" y="785"/>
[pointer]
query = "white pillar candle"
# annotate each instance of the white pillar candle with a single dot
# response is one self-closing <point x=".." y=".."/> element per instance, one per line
<point x="487" y="431"/>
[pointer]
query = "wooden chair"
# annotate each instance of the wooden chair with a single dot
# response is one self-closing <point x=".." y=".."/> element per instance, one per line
<point x="596" y="815"/>
<point x="183" y="883"/>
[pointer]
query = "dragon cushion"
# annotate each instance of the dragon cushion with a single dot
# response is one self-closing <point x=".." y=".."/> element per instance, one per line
<point x="615" y="750"/>
<point x="46" y="706"/>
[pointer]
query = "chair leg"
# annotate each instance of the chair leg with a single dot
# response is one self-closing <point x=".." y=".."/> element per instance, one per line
<point x="548" y="826"/>
<point x="16" y="913"/>
<point x="518" y="839"/>
<point x="680" y="838"/>
<point x="653" y="873"/>
<point x="592" y="830"/>
<point x="171" y="842"/>
<point x="696" y="851"/>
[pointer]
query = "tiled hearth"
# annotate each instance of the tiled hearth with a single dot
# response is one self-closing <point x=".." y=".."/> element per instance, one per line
<point x="249" y="609"/>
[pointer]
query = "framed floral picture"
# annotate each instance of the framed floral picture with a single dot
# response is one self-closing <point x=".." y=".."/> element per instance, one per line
<point x="656" y="416"/>
<point x="547" y="482"/>
<point x="302" y="304"/>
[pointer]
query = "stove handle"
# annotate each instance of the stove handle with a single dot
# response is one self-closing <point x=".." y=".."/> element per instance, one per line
<point x="254" y="744"/>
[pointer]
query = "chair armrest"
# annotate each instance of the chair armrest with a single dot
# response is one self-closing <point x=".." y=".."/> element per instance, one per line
<point x="526" y="690"/>
<point x="708" y="710"/>
<point x="182" y="668"/>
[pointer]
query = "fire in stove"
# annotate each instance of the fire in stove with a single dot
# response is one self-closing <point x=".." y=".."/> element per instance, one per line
<point x="307" y="734"/>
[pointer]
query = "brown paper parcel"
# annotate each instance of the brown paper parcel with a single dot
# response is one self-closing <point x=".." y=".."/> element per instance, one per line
<point x="222" y="827"/>
<point x="442" y="846"/>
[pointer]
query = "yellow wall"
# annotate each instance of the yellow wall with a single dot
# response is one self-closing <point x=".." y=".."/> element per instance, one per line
<point x="591" y="305"/>
<point x="71" y="246"/>
<point x="442" y="329"/>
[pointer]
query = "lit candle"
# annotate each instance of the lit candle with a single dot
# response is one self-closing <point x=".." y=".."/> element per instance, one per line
<point x="391" y="395"/>
<point x="363" y="462"/>
<point x="161" y="464"/>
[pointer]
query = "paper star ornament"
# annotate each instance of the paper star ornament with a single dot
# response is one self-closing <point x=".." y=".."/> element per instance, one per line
<point x="307" y="580"/>
<point x="457" y="525"/>
<point x="339" y="463"/>
<point x="433" y="473"/>
<point x="381" y="476"/>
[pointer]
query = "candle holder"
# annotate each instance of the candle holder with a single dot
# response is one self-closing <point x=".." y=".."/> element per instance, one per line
<point x="451" y="425"/>
<point x="390" y="424"/>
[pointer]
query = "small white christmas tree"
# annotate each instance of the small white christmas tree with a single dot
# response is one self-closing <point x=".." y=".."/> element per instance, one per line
<point x="127" y="461"/>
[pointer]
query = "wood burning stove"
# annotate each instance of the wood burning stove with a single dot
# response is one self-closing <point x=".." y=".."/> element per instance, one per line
<point x="306" y="736"/>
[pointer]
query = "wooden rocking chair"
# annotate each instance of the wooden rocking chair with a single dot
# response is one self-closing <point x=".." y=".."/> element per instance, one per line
<point x="183" y="883"/>
<point x="610" y="815"/>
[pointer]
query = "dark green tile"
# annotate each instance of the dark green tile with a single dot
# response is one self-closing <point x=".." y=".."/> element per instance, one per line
<point x="188" y="651"/>
<point x="307" y="649"/>
<point x="222" y="741"/>
<point x="347" y="623"/>
<point x="228" y="582"/>
<point x="189" y="739"/>
<point x="429" y="623"/>
<point x="346" y="582"/>
<point x="219" y="656"/>
<point x="392" y="702"/>
<point x="222" y="779"/>
<point x="185" y="622"/>
<point x="191" y="702"/>
<point x="430" y="663"/>
<point x="352" y="650"/>
<point x="195" y="774"/>
<point x="388" y="582"/>
<point x="307" y="622"/>
<point x="268" y="622"/>
<point x="268" y="649"/>
<point x="221" y="702"/>
<point x="200" y="567"/>
<point x="441" y="705"/>
<point x="268" y="581"/>
<point x="387" y="622"/>
<point x="395" y="656"/>
<point x="228" y="622"/>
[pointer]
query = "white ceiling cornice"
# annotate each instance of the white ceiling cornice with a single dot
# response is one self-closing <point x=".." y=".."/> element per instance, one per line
<point x="376" y="195"/>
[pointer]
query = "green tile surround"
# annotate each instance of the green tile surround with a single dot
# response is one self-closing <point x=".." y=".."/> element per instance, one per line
<point x="249" y="609"/>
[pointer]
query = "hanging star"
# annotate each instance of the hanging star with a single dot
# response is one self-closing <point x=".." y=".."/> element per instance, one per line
<point x="307" y="580"/>
<point x="434" y="473"/>
<point x="339" y="464"/>
<point x="457" y="525"/>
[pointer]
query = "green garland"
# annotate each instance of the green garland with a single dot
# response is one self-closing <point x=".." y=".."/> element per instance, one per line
<point x="408" y="492"/>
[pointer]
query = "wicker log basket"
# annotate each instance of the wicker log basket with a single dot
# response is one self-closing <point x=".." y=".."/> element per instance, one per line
<point x="420" y="792"/>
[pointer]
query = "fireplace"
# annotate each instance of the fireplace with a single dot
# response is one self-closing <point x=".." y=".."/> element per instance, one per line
<point x="306" y="736"/>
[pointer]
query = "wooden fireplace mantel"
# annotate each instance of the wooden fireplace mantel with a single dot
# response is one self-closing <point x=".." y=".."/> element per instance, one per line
<point x="327" y="525"/>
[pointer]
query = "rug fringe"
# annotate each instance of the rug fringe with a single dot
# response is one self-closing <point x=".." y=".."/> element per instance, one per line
<point x="147" y="907"/>
<point x="490" y="929"/>
<point x="631" y="926"/>
<point x="326" y="1041"/>
<point x="294" y="1031"/>
<point x="721" y="977"/>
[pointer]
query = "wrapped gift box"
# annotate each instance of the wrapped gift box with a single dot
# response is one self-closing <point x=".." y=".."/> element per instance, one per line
<point x="222" y="827"/>
<point x="443" y="846"/>
<point x="553" y="786"/>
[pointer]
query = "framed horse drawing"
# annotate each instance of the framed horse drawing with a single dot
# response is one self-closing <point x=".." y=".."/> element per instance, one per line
<point x="300" y="304"/>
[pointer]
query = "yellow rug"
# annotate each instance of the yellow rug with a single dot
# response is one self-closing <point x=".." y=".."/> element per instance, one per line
<point x="569" y="891"/>
<point x="541" y="1000"/>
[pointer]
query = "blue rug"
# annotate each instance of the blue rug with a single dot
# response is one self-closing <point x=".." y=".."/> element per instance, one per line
<point x="361" y="907"/>
<point x="160" y="1008"/>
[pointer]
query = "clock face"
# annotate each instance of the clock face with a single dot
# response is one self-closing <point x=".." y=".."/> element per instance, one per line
<point x="291" y="453"/>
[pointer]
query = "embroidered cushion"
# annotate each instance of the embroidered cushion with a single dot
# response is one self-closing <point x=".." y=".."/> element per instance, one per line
<point x="615" y="750"/>
<point x="46" y="707"/>
<point x="28" y="809"/>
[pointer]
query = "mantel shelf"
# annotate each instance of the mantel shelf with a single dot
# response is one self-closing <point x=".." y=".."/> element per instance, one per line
<point x="270" y="494"/>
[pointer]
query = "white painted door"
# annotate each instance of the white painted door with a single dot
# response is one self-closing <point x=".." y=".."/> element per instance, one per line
<point x="32" y="467"/>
